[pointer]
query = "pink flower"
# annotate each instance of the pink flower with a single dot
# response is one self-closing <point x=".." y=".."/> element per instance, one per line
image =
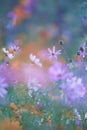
<point x="14" y="48"/>
<point x="11" y="75"/>
<point x="34" y="72"/>
<point x="73" y="88"/>
<point x="58" y="71"/>
<point x="53" y="53"/>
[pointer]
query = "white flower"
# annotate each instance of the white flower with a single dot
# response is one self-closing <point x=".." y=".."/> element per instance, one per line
<point x="53" y="52"/>
<point x="86" y="115"/>
<point x="7" y="53"/>
<point x="86" y="68"/>
<point x="75" y="111"/>
<point x="10" y="56"/>
<point x="30" y="93"/>
<point x="11" y="51"/>
<point x="5" y="50"/>
<point x="35" y="60"/>
<point x="33" y="85"/>
<point x="77" y="115"/>
<point x="3" y="86"/>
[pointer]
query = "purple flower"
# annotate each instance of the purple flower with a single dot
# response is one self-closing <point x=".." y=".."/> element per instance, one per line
<point x="82" y="50"/>
<point x="11" y="14"/>
<point x="58" y="71"/>
<point x="39" y="106"/>
<point x="3" y="86"/>
<point x="14" y="48"/>
<point x="11" y="75"/>
<point x="11" y="51"/>
<point x="84" y="20"/>
<point x="78" y="122"/>
<point x="53" y="53"/>
<point x="73" y="88"/>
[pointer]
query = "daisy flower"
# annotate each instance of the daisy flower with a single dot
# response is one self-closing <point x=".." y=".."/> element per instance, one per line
<point x="11" y="51"/>
<point x="14" y="48"/>
<point x="35" y="60"/>
<point x="58" y="71"/>
<point x="53" y="52"/>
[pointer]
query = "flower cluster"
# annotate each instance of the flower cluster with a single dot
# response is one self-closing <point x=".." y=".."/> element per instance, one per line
<point x="73" y="88"/>
<point x="39" y="82"/>
<point x="36" y="76"/>
<point x="11" y="51"/>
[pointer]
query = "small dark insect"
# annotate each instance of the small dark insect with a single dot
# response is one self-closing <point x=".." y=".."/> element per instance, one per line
<point x="61" y="42"/>
<point x="81" y="49"/>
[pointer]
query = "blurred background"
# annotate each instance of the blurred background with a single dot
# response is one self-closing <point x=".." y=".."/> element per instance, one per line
<point x="43" y="23"/>
<point x="34" y="26"/>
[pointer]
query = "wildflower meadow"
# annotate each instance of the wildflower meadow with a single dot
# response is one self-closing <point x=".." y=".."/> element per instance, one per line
<point x="43" y="65"/>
